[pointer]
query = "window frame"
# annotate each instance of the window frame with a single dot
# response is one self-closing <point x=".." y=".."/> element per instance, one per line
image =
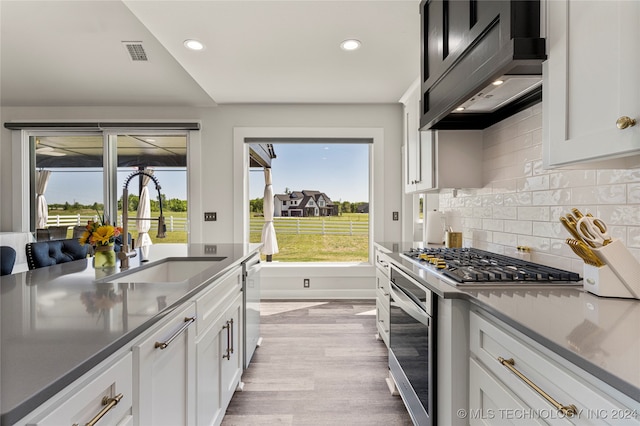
<point x="241" y="172"/>
<point x="23" y="214"/>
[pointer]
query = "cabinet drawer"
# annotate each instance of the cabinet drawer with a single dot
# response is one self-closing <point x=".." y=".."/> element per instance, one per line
<point x="561" y="380"/>
<point x="83" y="402"/>
<point x="382" y="284"/>
<point x="209" y="304"/>
<point x="382" y="263"/>
<point x="490" y="401"/>
<point x="382" y="319"/>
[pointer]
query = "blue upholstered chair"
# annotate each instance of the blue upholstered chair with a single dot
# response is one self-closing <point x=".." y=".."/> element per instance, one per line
<point x="7" y="259"/>
<point x="47" y="253"/>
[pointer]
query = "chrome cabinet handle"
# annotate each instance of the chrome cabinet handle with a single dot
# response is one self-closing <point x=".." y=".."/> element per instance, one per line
<point x="229" y="327"/>
<point x="187" y="322"/>
<point x="567" y="410"/>
<point x="108" y="403"/>
<point x="624" y="122"/>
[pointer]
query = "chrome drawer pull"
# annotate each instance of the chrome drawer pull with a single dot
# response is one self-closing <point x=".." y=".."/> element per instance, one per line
<point x="187" y="322"/>
<point x="108" y="403"/>
<point x="567" y="410"/>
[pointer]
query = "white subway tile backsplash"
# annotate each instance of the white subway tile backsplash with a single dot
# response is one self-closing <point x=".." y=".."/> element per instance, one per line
<point x="518" y="226"/>
<point x="521" y="202"/>
<point x="618" y="176"/>
<point x="571" y="179"/>
<point x="551" y="198"/>
<point x="533" y="213"/>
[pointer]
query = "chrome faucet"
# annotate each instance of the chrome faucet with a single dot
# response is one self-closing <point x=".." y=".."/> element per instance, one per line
<point x="127" y="252"/>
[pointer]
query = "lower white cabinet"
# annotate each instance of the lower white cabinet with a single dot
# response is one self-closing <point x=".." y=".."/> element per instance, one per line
<point x="104" y="396"/>
<point x="219" y="362"/>
<point x="382" y="296"/>
<point x="164" y="372"/>
<point x="503" y="360"/>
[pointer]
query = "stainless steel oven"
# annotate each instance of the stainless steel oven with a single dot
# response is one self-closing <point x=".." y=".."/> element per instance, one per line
<point x="411" y="345"/>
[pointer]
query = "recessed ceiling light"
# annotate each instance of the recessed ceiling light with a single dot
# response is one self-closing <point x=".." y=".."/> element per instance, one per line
<point x="150" y="140"/>
<point x="497" y="82"/>
<point x="350" y="44"/>
<point x="460" y="109"/>
<point x="193" y="44"/>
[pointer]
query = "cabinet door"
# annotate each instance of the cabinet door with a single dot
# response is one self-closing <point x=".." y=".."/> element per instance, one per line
<point x="418" y="151"/>
<point x="219" y="362"/>
<point x="591" y="80"/>
<point x="164" y="372"/>
<point x="231" y="356"/>
<point x="209" y="356"/>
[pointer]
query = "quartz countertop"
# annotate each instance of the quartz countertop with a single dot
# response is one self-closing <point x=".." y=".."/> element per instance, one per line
<point x="600" y="335"/>
<point x="58" y="322"/>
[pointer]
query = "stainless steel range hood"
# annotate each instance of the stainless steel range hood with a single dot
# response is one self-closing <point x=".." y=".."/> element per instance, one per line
<point x="499" y="94"/>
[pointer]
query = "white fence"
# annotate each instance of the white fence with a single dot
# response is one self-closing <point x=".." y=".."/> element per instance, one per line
<point x="317" y="226"/>
<point x="173" y="223"/>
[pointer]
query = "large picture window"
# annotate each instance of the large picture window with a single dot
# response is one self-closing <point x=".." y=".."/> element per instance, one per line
<point x="320" y="200"/>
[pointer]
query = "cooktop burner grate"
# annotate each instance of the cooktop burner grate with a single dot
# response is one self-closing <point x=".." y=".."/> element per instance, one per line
<point x="469" y="265"/>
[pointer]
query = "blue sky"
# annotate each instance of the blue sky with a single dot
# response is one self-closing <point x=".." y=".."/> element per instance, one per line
<point x="339" y="170"/>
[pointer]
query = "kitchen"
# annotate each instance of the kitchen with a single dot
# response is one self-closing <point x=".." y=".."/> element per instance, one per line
<point x="519" y="202"/>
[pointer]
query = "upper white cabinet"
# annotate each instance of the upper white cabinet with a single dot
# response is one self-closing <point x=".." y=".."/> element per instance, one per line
<point x="418" y="156"/>
<point x="438" y="159"/>
<point x="591" y="82"/>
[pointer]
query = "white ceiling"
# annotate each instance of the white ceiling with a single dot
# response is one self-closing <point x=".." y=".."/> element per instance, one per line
<point x="70" y="53"/>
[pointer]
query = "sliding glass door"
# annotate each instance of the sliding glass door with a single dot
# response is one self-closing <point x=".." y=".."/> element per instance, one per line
<point x="76" y="177"/>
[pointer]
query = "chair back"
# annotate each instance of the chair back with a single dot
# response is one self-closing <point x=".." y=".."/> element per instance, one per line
<point x="47" y="253"/>
<point x="7" y="259"/>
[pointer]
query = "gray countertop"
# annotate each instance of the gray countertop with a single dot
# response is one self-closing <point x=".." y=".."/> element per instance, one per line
<point x="600" y="335"/>
<point x="57" y="323"/>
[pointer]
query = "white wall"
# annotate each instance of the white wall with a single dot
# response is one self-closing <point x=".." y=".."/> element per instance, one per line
<point x="211" y="168"/>
<point x="521" y="203"/>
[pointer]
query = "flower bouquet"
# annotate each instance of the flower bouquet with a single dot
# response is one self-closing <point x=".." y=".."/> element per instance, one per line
<point x="102" y="236"/>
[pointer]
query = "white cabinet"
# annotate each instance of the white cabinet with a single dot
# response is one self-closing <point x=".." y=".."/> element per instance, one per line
<point x="590" y="81"/>
<point x="418" y="154"/>
<point x="104" y="395"/>
<point x="219" y="362"/>
<point x="382" y="296"/>
<point x="501" y="360"/>
<point x="438" y="159"/>
<point x="164" y="372"/>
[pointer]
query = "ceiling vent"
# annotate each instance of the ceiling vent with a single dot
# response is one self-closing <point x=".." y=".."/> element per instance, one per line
<point x="136" y="50"/>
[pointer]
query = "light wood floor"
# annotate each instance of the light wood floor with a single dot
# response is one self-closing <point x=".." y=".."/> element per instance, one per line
<point x="319" y="364"/>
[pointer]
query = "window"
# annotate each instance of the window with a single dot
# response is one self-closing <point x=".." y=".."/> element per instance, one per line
<point x="325" y="181"/>
<point x="83" y="183"/>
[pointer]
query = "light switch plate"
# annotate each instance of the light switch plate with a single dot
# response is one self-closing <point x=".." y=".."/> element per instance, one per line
<point x="395" y="216"/>
<point x="210" y="216"/>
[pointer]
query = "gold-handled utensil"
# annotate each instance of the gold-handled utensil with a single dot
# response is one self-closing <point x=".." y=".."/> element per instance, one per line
<point x="584" y="252"/>
<point x="577" y="213"/>
<point x="570" y="227"/>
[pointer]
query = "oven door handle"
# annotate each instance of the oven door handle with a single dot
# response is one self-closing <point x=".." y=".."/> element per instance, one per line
<point x="408" y="305"/>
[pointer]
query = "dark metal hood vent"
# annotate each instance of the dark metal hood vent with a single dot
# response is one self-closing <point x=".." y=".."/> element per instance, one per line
<point x="467" y="45"/>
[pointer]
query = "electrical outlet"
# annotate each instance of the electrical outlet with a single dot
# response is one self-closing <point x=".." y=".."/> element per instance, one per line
<point x="395" y="215"/>
<point x="306" y="283"/>
<point x="210" y="216"/>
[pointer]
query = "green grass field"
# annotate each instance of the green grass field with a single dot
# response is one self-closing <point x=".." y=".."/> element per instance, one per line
<point x="292" y="247"/>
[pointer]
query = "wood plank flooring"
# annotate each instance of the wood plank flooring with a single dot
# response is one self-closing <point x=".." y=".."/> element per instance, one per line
<point x="319" y="364"/>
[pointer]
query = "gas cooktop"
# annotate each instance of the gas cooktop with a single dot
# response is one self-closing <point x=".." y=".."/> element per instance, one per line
<point x="474" y="266"/>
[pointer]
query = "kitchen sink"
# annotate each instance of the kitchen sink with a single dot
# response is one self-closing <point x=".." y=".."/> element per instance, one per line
<point x="168" y="271"/>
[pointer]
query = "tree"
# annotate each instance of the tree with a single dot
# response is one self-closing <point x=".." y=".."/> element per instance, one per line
<point x="257" y="205"/>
